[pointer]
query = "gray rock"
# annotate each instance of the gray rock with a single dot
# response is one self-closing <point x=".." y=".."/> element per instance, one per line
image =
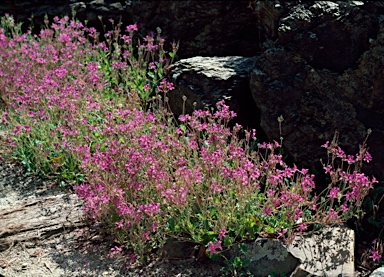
<point x="267" y="257"/>
<point x="78" y="7"/>
<point x="379" y="272"/>
<point x="206" y="80"/>
<point x="328" y="252"/>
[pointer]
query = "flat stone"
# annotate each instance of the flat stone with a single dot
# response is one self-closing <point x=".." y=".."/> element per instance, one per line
<point x="266" y="257"/>
<point x="328" y="252"/>
<point x="379" y="272"/>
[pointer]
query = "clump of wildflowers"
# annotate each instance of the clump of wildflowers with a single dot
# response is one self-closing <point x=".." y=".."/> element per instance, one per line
<point x="59" y="85"/>
<point x="199" y="180"/>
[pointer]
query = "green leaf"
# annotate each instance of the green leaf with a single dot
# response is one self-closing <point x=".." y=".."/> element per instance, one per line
<point x="95" y="134"/>
<point x="377" y="192"/>
<point x="171" y="224"/>
<point x="237" y="263"/>
<point x="243" y="247"/>
<point x="270" y="230"/>
<point x="246" y="263"/>
<point x="211" y="234"/>
<point x="207" y="237"/>
<point x="376" y="223"/>
<point x="368" y="204"/>
<point x="212" y="212"/>
<point x="227" y="241"/>
<point x="102" y="147"/>
<point x="183" y="128"/>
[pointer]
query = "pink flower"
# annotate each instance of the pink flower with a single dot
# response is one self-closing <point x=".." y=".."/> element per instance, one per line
<point x="170" y="86"/>
<point x="222" y="234"/>
<point x="154" y="227"/>
<point x="375" y="256"/>
<point x="325" y="145"/>
<point x="340" y="153"/>
<point x="333" y="194"/>
<point x="282" y="233"/>
<point x="367" y="157"/>
<point x="113" y="251"/>
<point x="266" y="211"/>
<point x="119" y="224"/>
<point x="152" y="65"/>
<point x="332" y="214"/>
<point x="212" y="247"/>
<point x="4" y="118"/>
<point x="350" y="159"/>
<point x="131" y="28"/>
<point x="145" y="235"/>
<point x="302" y="227"/>
<point x="344" y="208"/>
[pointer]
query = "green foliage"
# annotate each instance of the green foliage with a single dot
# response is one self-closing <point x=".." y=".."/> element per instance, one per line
<point x="236" y="266"/>
<point x="373" y="209"/>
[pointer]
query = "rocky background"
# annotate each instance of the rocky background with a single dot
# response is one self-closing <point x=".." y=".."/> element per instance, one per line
<point x="319" y="64"/>
<point x="323" y="71"/>
<point x="206" y="28"/>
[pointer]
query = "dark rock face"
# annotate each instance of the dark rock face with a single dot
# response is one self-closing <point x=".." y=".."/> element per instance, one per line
<point x="324" y="72"/>
<point x="215" y="28"/>
<point x="206" y="28"/>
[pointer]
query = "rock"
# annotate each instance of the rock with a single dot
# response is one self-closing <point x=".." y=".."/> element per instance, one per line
<point x="182" y="250"/>
<point x="328" y="252"/>
<point x="379" y="272"/>
<point x="213" y="28"/>
<point x="266" y="257"/>
<point x="323" y="73"/>
<point x="206" y="80"/>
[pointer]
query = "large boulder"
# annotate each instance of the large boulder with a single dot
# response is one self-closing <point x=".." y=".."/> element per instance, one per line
<point x="326" y="252"/>
<point x="323" y="71"/>
<point x="203" y="81"/>
<point x="203" y="28"/>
